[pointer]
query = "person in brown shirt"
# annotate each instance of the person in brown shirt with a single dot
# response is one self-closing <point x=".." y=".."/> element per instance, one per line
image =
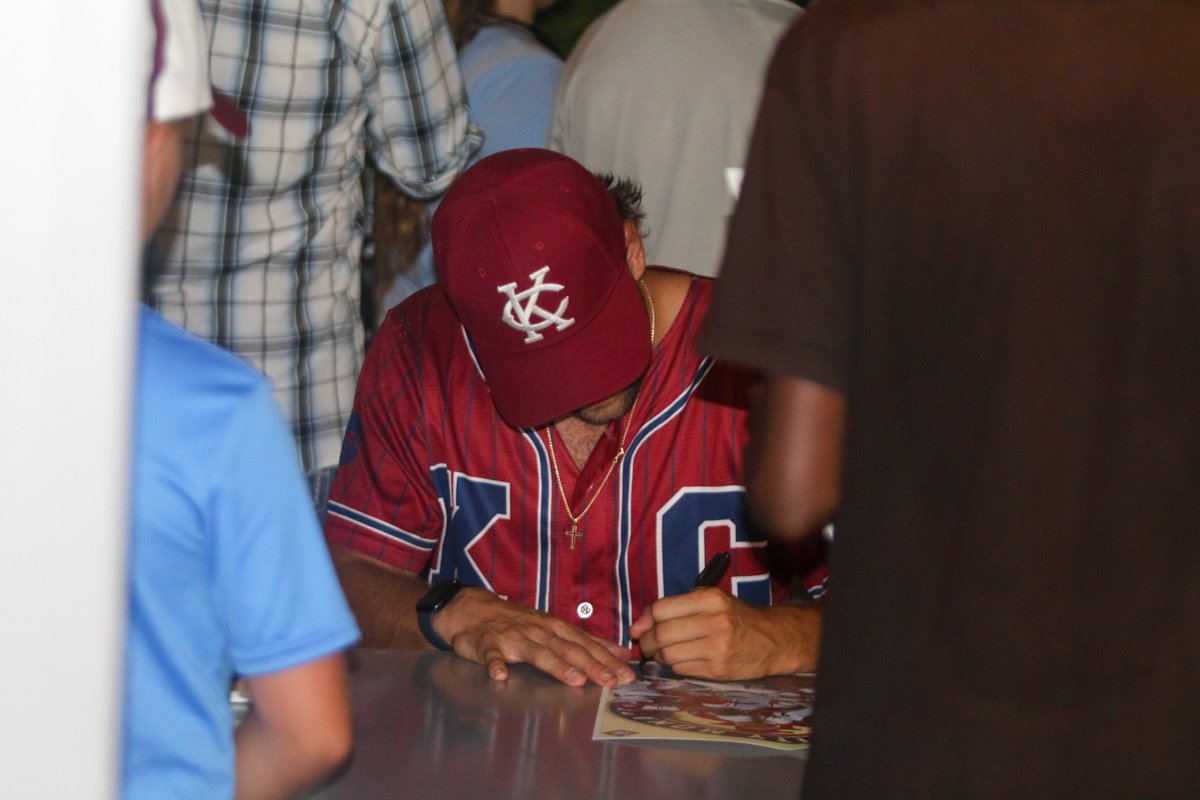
<point x="968" y="253"/>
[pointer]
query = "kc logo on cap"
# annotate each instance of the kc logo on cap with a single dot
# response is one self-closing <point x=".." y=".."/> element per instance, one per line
<point x="530" y="251"/>
<point x="522" y="307"/>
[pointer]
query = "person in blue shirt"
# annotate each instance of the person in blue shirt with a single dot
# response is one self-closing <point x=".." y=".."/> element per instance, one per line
<point x="228" y="571"/>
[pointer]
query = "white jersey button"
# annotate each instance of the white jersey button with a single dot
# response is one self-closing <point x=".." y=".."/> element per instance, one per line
<point x="584" y="610"/>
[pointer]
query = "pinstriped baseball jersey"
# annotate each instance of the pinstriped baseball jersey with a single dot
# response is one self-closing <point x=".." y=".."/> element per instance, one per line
<point x="432" y="478"/>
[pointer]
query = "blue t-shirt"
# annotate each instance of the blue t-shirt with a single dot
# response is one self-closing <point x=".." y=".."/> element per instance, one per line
<point x="228" y="571"/>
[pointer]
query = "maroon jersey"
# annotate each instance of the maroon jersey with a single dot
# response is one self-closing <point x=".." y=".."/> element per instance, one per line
<point x="432" y="477"/>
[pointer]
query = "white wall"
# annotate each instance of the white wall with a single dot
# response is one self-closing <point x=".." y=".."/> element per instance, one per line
<point x="72" y="90"/>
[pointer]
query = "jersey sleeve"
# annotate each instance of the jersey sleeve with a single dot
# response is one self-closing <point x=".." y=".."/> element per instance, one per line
<point x="278" y="596"/>
<point x="383" y="501"/>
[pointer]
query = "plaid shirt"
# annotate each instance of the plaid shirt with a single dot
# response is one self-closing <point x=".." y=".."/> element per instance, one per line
<point x="260" y="252"/>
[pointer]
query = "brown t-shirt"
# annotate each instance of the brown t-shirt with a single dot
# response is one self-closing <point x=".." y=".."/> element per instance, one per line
<point x="981" y="222"/>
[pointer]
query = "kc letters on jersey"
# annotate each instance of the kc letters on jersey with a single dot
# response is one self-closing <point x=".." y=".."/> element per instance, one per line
<point x="434" y="480"/>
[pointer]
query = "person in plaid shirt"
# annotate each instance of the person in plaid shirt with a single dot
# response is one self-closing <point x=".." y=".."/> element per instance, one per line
<point x="260" y="252"/>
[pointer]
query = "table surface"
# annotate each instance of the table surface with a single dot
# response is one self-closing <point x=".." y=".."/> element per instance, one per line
<point x="433" y="725"/>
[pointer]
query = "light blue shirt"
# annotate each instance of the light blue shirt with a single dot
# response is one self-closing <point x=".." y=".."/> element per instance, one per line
<point x="228" y="569"/>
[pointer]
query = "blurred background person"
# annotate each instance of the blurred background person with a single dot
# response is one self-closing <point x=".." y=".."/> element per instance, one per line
<point x="261" y="251"/>
<point x="227" y="569"/>
<point x="968" y="252"/>
<point x="665" y="91"/>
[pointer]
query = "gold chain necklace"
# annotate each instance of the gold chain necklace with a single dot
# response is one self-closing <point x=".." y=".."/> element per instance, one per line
<point x="573" y="533"/>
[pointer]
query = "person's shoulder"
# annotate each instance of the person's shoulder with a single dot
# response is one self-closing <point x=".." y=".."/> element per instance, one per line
<point x="701" y="291"/>
<point x="505" y="48"/>
<point x="421" y="322"/>
<point x="661" y="13"/>
<point x="509" y="38"/>
<point x="689" y="287"/>
<point x="780" y="13"/>
<point x="849" y="15"/>
<point x="604" y="32"/>
<point x="628" y="11"/>
<point x="681" y="299"/>
<point x="195" y="403"/>
<point x="725" y="381"/>
<point x="172" y="357"/>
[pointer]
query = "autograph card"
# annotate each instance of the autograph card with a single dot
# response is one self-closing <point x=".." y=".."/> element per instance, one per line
<point x="771" y="712"/>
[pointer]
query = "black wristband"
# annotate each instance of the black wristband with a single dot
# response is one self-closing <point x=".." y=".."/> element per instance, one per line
<point x="434" y="601"/>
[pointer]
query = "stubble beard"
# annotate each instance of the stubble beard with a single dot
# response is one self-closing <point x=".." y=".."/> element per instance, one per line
<point x="609" y="409"/>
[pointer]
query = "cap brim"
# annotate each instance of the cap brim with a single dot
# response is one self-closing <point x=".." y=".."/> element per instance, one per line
<point x="597" y="362"/>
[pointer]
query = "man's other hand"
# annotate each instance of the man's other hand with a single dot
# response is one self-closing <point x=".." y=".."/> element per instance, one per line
<point x="494" y="632"/>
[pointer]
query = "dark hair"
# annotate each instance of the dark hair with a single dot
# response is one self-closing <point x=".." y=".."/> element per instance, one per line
<point x="628" y="194"/>
<point x="466" y="17"/>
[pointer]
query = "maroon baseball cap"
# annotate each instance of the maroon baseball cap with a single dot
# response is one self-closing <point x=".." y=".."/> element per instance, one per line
<point x="530" y="250"/>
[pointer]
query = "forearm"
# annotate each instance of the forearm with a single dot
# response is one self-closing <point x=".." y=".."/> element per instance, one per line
<point x="383" y="599"/>
<point x="269" y="766"/>
<point x="296" y="733"/>
<point x="793" y="461"/>
<point x="481" y="626"/>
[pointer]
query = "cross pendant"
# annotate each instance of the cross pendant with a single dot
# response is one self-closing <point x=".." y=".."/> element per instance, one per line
<point x="573" y="534"/>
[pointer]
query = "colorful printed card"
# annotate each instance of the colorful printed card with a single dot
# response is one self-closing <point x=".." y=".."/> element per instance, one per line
<point x="771" y="712"/>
